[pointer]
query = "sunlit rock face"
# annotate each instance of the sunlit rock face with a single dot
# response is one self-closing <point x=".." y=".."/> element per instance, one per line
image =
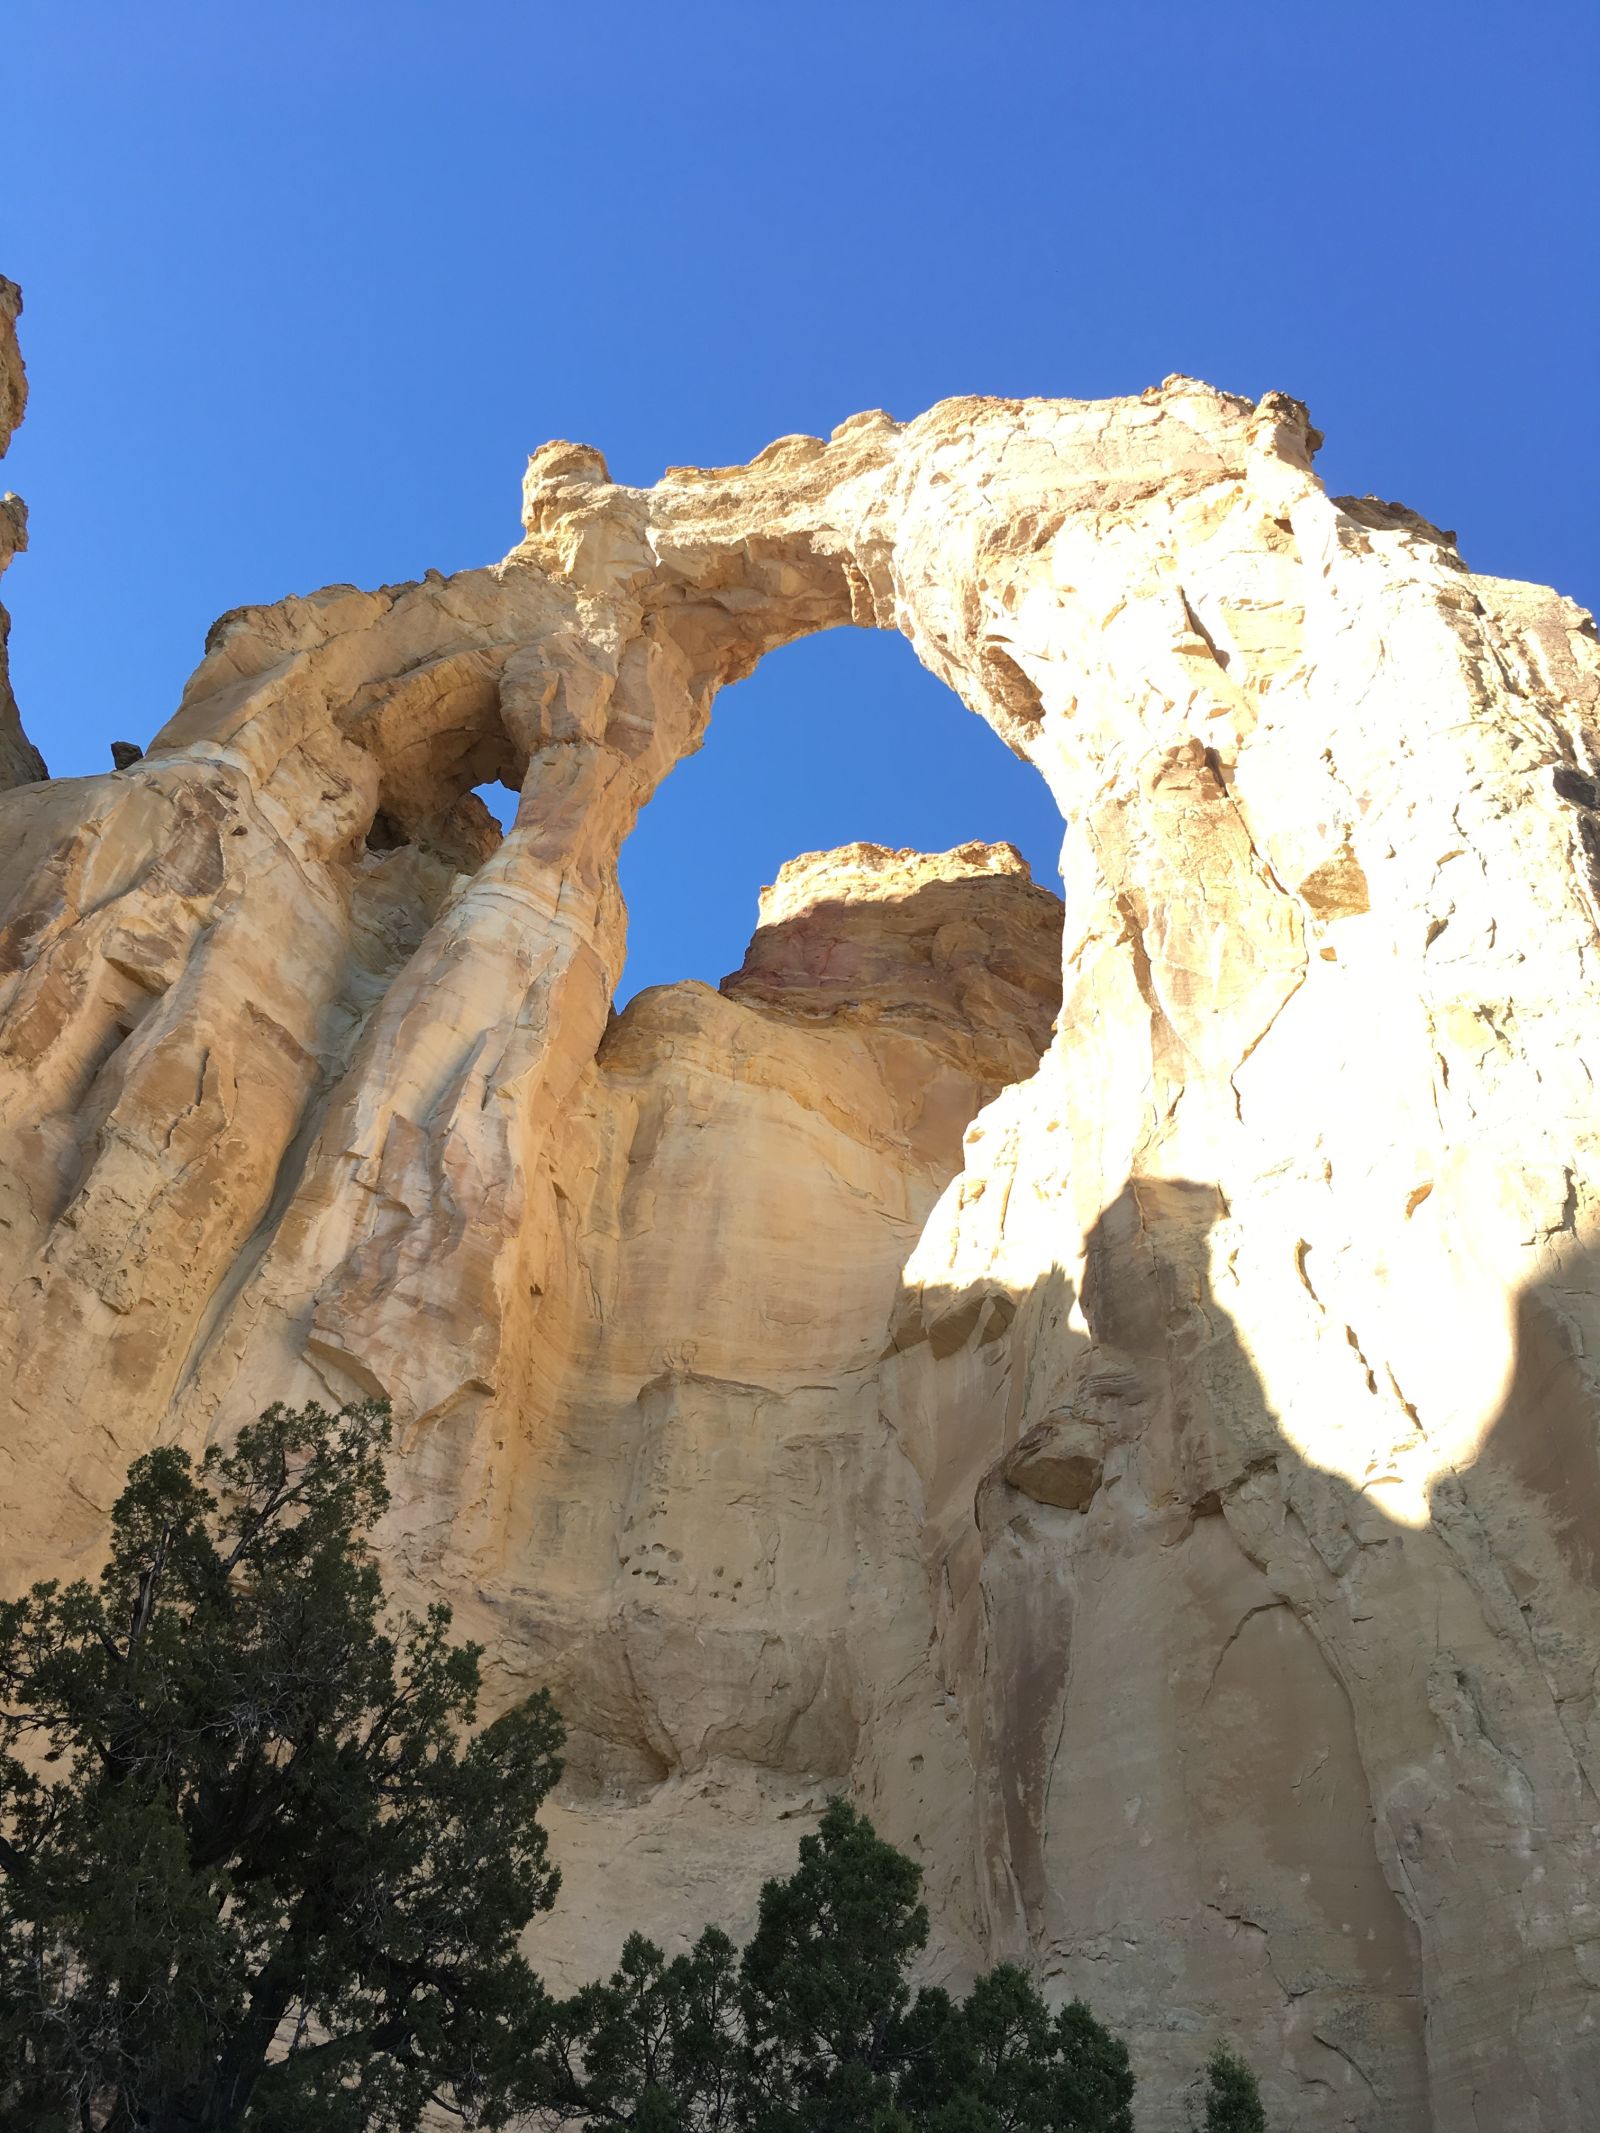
<point x="1153" y="1466"/>
<point x="20" y="761"/>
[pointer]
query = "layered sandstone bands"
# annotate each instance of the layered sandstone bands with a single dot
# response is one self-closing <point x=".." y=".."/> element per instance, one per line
<point x="1158" y="1477"/>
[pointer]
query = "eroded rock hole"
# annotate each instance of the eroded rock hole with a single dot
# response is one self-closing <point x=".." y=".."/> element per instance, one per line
<point x="443" y="756"/>
<point x="386" y="834"/>
<point x="843" y="739"/>
<point x="501" y="801"/>
<point x="460" y="837"/>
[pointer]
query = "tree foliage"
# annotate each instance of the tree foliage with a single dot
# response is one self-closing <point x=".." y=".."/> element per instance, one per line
<point x="815" y="2028"/>
<point x="1233" y="2101"/>
<point x="249" y="1872"/>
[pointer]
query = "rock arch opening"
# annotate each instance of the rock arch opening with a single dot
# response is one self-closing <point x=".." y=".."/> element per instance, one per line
<point x="840" y="738"/>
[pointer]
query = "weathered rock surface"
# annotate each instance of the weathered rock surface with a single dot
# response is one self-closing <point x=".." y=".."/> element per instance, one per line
<point x="20" y="761"/>
<point x="1162" y="1481"/>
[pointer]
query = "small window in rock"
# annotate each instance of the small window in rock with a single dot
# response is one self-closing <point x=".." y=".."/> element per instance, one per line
<point x="501" y="802"/>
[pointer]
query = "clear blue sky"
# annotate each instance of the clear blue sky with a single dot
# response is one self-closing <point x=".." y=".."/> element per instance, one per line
<point x="305" y="283"/>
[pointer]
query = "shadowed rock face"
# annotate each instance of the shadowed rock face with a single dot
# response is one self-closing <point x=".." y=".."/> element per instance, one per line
<point x="1153" y="1464"/>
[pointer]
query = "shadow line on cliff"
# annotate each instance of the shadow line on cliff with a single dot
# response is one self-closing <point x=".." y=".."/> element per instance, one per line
<point x="1332" y="1681"/>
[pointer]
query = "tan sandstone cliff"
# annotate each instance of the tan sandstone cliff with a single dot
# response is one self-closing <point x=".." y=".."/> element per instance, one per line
<point x="1158" y="1478"/>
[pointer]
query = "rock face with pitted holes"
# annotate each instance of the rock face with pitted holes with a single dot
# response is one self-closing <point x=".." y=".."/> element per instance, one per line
<point x="1116" y="1394"/>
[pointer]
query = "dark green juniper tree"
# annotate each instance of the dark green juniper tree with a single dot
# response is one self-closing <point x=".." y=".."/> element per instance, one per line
<point x="825" y="1993"/>
<point x="249" y="1872"/>
<point x="1233" y="2102"/>
<point x="657" y="2047"/>
<point x="815" y="2029"/>
<point x="1003" y="2063"/>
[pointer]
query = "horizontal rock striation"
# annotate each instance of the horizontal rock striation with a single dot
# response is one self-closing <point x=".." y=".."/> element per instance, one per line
<point x="1115" y="1390"/>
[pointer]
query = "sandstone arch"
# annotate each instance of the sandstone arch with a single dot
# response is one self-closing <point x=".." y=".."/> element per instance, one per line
<point x="286" y="1112"/>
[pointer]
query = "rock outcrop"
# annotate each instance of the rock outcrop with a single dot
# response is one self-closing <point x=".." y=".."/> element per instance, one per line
<point x="20" y="761"/>
<point x="1153" y="1464"/>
